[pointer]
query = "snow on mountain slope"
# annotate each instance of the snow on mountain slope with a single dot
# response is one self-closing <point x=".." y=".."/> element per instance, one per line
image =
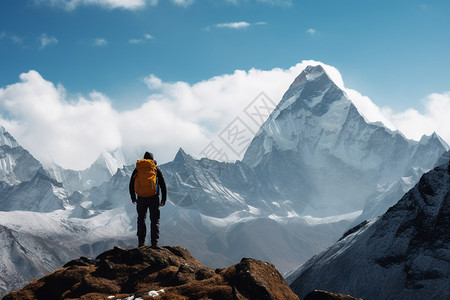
<point x="220" y="241"/>
<point x="41" y="194"/>
<point x="215" y="188"/>
<point x="403" y="254"/>
<point x="24" y="185"/>
<point x="33" y="244"/>
<point x="112" y="194"/>
<point x="314" y="158"/>
<point x="24" y="257"/>
<point x="7" y="139"/>
<point x="323" y="157"/>
<point x="16" y="164"/>
<point x="99" y="172"/>
<point x="214" y="236"/>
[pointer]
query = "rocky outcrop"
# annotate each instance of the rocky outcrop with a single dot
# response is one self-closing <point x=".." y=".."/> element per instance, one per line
<point x="163" y="273"/>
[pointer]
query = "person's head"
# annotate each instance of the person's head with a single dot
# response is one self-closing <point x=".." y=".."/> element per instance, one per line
<point x="148" y="155"/>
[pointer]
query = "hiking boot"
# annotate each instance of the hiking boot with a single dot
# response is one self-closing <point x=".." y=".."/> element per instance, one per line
<point x="155" y="246"/>
<point x="141" y="244"/>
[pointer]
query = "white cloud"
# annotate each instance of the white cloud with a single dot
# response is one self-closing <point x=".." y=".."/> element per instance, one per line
<point x="109" y="4"/>
<point x="311" y="31"/>
<point x="434" y="118"/>
<point x="54" y="129"/>
<point x="100" y="42"/>
<point x="184" y="3"/>
<point x="141" y="40"/>
<point x="15" y="39"/>
<point x="73" y="132"/>
<point x="47" y="40"/>
<point x="411" y="123"/>
<point x="234" y="25"/>
<point x="136" y="41"/>
<point x="370" y="111"/>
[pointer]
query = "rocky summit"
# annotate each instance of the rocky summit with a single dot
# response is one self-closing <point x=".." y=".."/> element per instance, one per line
<point x="163" y="273"/>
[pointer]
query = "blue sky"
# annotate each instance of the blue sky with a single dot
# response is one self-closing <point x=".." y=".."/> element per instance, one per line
<point x="395" y="52"/>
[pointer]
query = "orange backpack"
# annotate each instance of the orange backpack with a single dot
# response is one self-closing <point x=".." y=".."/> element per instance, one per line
<point x="145" y="180"/>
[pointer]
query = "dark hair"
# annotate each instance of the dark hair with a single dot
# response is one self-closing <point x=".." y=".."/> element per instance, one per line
<point x="148" y="155"/>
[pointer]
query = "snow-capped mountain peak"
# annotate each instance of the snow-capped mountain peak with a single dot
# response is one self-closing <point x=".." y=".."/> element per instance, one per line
<point x="111" y="161"/>
<point x="310" y="73"/>
<point x="7" y="139"/>
<point x="16" y="163"/>
<point x="316" y="144"/>
<point x="433" y="137"/>
<point x="99" y="172"/>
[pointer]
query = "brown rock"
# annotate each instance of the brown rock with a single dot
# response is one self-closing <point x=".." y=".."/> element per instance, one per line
<point x="121" y="273"/>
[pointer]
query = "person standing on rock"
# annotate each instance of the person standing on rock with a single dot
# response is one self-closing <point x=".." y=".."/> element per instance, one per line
<point x="146" y="181"/>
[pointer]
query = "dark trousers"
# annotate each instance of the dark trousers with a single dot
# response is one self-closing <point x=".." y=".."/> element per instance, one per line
<point x="152" y="204"/>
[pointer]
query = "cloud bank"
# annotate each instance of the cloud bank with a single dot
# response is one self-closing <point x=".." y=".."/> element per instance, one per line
<point x="73" y="131"/>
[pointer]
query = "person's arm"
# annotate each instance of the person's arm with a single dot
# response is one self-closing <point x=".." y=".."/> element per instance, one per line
<point x="131" y="187"/>
<point x="162" y="185"/>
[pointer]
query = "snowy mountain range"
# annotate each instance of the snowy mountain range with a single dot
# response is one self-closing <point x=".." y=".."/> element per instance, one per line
<point x="314" y="168"/>
<point x="403" y="254"/>
<point x="100" y="171"/>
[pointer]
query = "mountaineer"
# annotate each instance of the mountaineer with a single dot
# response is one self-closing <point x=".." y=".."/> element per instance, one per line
<point x="146" y="181"/>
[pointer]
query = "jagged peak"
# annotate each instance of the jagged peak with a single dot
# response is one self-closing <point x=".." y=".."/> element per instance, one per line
<point x="434" y="136"/>
<point x="309" y="73"/>
<point x="7" y="139"/>
<point x="182" y="155"/>
<point x="110" y="160"/>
